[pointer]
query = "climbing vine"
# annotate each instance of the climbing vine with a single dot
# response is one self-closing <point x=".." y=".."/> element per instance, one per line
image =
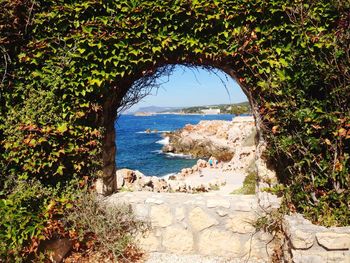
<point x="69" y="64"/>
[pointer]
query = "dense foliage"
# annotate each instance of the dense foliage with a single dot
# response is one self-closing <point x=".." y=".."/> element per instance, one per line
<point x="65" y="64"/>
<point x="31" y="214"/>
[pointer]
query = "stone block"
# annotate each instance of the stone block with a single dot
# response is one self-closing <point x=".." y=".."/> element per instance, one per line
<point x="141" y="211"/>
<point x="200" y="220"/>
<point x="176" y="239"/>
<point x="161" y="216"/>
<point x="300" y="231"/>
<point x="241" y="222"/>
<point x="334" y="240"/>
<point x="219" y="243"/>
<point x="179" y="213"/>
<point x="149" y="242"/>
<point x="301" y="239"/>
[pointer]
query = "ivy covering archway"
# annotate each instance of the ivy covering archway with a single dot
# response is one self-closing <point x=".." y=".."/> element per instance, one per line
<point x="67" y="65"/>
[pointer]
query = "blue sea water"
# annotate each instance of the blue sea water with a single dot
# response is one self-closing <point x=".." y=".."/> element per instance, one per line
<point x="141" y="151"/>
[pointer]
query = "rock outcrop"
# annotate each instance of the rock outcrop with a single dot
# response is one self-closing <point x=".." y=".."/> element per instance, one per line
<point x="219" y="139"/>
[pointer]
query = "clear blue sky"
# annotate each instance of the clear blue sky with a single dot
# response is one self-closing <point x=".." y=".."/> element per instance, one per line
<point x="193" y="87"/>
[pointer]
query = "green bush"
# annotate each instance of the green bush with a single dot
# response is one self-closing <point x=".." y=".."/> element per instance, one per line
<point x="23" y="216"/>
<point x="31" y="213"/>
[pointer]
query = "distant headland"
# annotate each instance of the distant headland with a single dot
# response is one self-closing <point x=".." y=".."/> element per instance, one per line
<point x="236" y="109"/>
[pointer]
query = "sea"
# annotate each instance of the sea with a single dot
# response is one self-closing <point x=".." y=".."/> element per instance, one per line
<point x="139" y="150"/>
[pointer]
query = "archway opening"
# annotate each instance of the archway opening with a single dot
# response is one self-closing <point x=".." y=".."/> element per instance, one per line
<point x="184" y="116"/>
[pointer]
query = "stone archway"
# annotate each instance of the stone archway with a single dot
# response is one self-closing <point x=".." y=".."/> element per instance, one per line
<point x="83" y="56"/>
<point x="110" y="115"/>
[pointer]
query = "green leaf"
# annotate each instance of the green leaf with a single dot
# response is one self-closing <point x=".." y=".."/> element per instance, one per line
<point x="62" y="127"/>
<point x="60" y="170"/>
<point x="283" y="62"/>
<point x="81" y="50"/>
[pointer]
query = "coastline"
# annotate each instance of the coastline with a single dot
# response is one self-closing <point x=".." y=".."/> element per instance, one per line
<point x="224" y="177"/>
<point x="146" y="114"/>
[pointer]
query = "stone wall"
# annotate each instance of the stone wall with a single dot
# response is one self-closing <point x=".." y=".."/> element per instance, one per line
<point x="222" y="225"/>
<point x="314" y="244"/>
<point x="206" y="224"/>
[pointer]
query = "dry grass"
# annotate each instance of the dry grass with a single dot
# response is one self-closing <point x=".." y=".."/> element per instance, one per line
<point x="107" y="231"/>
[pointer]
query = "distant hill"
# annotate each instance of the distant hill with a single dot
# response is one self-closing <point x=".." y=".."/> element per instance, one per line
<point x="236" y="108"/>
<point x="157" y="109"/>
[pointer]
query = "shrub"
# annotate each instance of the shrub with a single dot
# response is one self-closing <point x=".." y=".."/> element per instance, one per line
<point x="22" y="217"/>
<point x="31" y="213"/>
<point x="110" y="228"/>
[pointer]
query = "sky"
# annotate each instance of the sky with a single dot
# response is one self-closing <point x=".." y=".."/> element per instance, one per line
<point x="193" y="87"/>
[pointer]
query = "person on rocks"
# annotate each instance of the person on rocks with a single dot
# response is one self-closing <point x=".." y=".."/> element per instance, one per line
<point x="211" y="162"/>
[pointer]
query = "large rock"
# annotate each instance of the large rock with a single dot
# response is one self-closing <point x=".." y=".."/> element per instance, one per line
<point x="200" y="220"/>
<point x="160" y="185"/>
<point x="129" y="176"/>
<point x="168" y="148"/>
<point x="214" y="138"/>
<point x="57" y="249"/>
<point x="176" y="239"/>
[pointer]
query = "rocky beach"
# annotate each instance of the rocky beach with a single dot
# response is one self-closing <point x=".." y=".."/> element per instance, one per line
<point x="226" y="151"/>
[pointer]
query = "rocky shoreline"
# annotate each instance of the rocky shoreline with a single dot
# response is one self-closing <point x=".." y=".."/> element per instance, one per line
<point x="231" y="143"/>
<point x="218" y="139"/>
